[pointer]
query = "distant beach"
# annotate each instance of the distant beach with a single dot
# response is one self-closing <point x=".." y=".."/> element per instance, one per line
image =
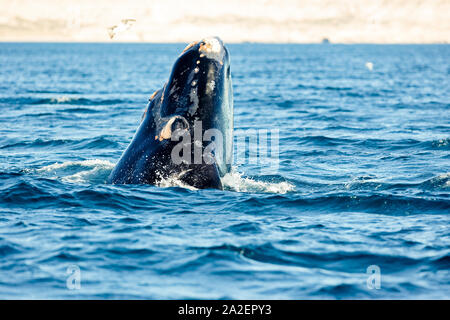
<point x="395" y="21"/>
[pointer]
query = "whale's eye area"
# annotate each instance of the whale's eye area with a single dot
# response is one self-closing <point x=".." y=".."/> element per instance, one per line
<point x="172" y="125"/>
<point x="179" y="123"/>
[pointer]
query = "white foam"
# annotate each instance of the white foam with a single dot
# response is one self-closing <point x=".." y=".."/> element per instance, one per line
<point x="61" y="99"/>
<point x="97" y="171"/>
<point x="443" y="177"/>
<point x="86" y="163"/>
<point x="442" y="142"/>
<point x="236" y="182"/>
<point x="87" y="176"/>
<point x="86" y="171"/>
<point x="174" y="181"/>
<point x="369" y="65"/>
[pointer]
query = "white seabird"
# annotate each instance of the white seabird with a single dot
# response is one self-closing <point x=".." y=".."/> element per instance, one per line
<point x="124" y="25"/>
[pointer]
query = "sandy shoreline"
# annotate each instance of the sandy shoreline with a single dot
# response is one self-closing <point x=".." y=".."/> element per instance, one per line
<point x="395" y="21"/>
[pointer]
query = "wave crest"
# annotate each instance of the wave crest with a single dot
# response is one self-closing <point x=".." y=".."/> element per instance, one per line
<point x="235" y="181"/>
<point x="86" y="171"/>
<point x="96" y="171"/>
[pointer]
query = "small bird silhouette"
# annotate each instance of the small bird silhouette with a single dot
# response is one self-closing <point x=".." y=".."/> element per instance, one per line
<point x="124" y="25"/>
<point x="369" y="65"/>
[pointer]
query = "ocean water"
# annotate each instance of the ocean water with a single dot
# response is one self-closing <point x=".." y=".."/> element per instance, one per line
<point x="363" y="178"/>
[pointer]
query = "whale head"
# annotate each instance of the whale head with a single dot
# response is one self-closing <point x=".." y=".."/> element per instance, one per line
<point x="187" y="129"/>
<point x="199" y="95"/>
<point x="200" y="81"/>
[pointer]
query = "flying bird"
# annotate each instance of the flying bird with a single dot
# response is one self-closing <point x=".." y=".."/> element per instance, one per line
<point x="123" y="26"/>
<point x="369" y="65"/>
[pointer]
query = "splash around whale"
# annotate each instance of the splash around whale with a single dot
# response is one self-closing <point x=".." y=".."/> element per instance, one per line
<point x="187" y="128"/>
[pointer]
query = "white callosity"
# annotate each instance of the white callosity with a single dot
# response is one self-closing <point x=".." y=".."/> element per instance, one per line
<point x="212" y="48"/>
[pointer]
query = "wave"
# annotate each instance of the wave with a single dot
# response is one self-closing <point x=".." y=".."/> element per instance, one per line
<point x="36" y="143"/>
<point x="439" y="182"/>
<point x="63" y="91"/>
<point x="325" y="141"/>
<point x="96" y="171"/>
<point x="235" y="181"/>
<point x="385" y="203"/>
<point x="441" y="143"/>
<point x="65" y="99"/>
<point x="375" y="143"/>
<point x="88" y="143"/>
<point x="79" y="110"/>
<point x="48" y="186"/>
<point x="85" y="171"/>
<point x="337" y="260"/>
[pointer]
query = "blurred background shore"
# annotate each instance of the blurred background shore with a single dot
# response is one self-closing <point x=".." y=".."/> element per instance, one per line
<point x="269" y="21"/>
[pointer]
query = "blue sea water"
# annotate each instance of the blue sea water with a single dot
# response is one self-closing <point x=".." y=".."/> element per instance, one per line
<point x="363" y="177"/>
